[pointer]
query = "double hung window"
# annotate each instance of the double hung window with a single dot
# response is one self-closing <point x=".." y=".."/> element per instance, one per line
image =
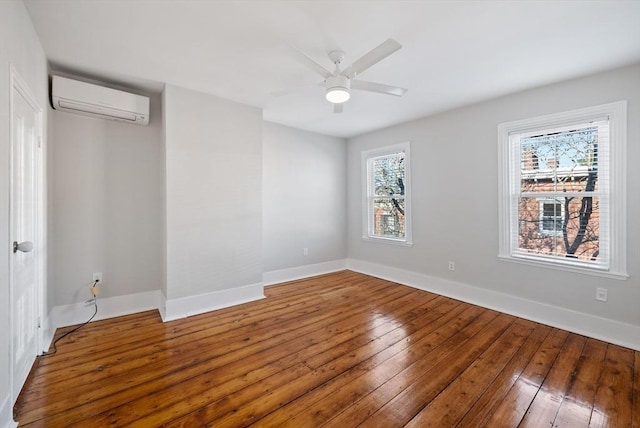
<point x="386" y="187"/>
<point x="563" y="191"/>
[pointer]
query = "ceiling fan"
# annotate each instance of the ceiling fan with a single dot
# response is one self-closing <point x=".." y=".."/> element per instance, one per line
<point x="338" y="84"/>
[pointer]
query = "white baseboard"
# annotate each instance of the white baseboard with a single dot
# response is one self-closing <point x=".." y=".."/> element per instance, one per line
<point x="108" y="307"/>
<point x="6" y="413"/>
<point x="291" y="274"/>
<point x="192" y="305"/>
<point x="622" y="334"/>
<point x="48" y="333"/>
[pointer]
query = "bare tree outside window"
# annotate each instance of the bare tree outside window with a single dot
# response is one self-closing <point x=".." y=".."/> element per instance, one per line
<point x="559" y="215"/>
<point x="562" y="190"/>
<point x="388" y="182"/>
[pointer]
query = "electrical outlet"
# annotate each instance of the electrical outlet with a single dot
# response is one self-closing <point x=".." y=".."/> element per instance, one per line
<point x="452" y="265"/>
<point x="305" y="251"/>
<point x="97" y="276"/>
<point x="601" y="294"/>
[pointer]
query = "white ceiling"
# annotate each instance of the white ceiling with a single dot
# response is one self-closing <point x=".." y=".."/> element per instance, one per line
<point x="454" y="52"/>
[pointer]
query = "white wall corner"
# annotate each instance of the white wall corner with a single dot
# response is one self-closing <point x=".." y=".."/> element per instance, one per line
<point x="193" y="305"/>
<point x="108" y="307"/>
<point x="612" y="331"/>
<point x="299" y="272"/>
<point x="162" y="308"/>
<point x="6" y="413"/>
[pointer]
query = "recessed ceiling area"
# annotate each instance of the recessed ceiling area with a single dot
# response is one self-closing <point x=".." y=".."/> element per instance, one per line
<point x="453" y="54"/>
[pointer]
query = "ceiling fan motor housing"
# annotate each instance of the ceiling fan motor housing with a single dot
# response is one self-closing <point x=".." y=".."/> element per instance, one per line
<point x="337" y="87"/>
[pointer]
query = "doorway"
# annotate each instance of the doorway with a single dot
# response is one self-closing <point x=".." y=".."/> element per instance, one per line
<point x="26" y="223"/>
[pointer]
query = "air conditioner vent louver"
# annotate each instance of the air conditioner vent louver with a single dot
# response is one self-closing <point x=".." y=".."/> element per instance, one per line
<point x="97" y="101"/>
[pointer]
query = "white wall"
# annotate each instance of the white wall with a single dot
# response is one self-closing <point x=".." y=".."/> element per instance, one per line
<point x="163" y="211"/>
<point x="19" y="46"/>
<point x="106" y="205"/>
<point x="455" y="199"/>
<point x="304" y="197"/>
<point x="213" y="193"/>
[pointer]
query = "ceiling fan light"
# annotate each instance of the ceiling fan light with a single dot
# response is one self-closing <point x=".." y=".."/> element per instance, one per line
<point x="337" y="95"/>
<point x="337" y="89"/>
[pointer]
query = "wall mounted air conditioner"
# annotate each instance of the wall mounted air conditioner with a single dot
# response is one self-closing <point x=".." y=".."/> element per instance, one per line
<point x="87" y="99"/>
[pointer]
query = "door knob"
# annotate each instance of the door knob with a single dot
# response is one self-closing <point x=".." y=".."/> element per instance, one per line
<point x="25" y="246"/>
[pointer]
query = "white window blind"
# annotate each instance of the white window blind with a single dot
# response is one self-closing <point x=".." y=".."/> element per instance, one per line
<point x="562" y="184"/>
<point x="558" y="188"/>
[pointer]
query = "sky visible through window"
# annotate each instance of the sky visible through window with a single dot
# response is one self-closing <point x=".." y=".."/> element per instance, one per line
<point x="562" y="150"/>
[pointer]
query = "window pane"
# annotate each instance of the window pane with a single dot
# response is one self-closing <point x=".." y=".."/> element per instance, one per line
<point x="562" y="161"/>
<point x="388" y="175"/>
<point x="541" y="228"/>
<point x="552" y="217"/>
<point x="389" y="217"/>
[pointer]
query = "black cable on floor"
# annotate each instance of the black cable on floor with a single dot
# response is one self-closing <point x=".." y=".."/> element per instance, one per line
<point x="55" y="348"/>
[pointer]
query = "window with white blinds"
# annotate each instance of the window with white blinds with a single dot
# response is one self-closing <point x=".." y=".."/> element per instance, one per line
<point x="386" y="191"/>
<point x="563" y="191"/>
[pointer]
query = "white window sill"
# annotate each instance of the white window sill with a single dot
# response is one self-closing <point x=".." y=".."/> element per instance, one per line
<point x="392" y="241"/>
<point x="567" y="267"/>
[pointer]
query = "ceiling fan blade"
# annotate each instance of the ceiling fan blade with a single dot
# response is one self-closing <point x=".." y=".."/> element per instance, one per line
<point x="311" y="64"/>
<point x="378" y="87"/>
<point x="337" y="108"/>
<point x="372" y="57"/>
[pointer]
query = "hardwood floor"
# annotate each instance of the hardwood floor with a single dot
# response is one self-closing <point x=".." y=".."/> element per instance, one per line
<point x="343" y="350"/>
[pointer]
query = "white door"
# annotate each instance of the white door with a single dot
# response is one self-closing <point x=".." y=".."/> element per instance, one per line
<point x="26" y="231"/>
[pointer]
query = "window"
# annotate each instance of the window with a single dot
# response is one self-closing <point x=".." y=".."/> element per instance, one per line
<point x="386" y="190"/>
<point x="551" y="216"/>
<point x="562" y="184"/>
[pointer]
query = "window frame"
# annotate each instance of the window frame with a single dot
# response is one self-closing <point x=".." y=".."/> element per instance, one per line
<point x="615" y="219"/>
<point x="368" y="197"/>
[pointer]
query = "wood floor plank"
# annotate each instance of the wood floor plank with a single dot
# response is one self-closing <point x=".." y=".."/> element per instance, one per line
<point x="405" y="405"/>
<point x="577" y="405"/>
<point x="436" y="359"/>
<point x="413" y="320"/>
<point x="337" y="333"/>
<point x="450" y="406"/>
<point x="340" y="350"/>
<point x="514" y="405"/>
<point x="333" y="366"/>
<point x="495" y="393"/>
<point x="614" y="399"/>
<point x="328" y="399"/>
<point x="544" y="408"/>
<point x="367" y="393"/>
